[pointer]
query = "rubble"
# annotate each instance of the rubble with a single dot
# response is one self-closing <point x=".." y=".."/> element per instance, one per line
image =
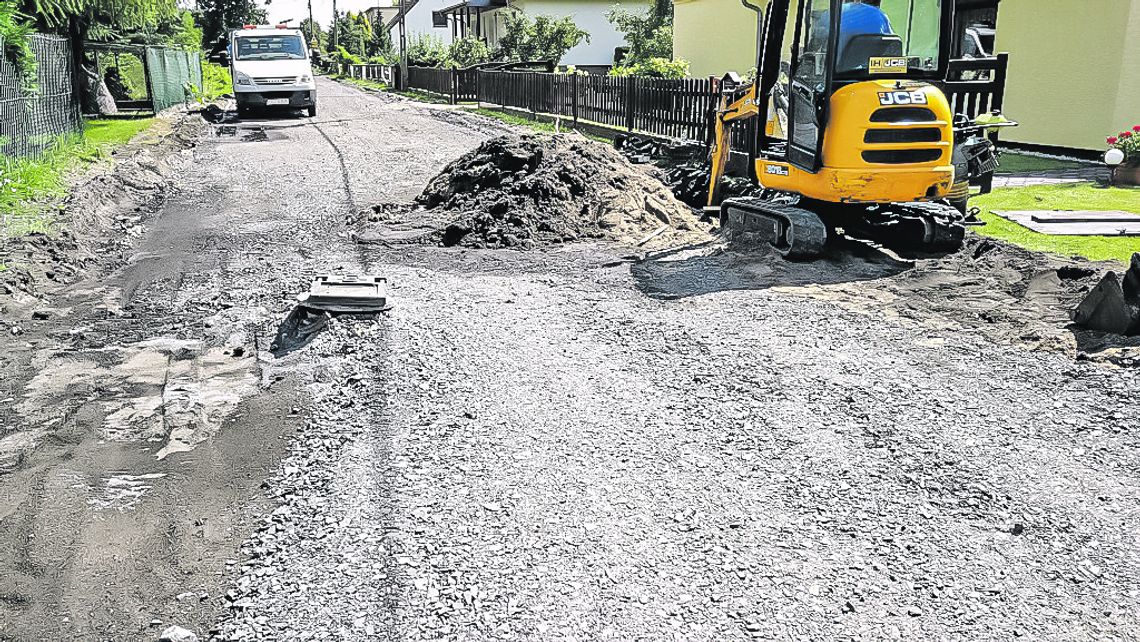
<point x="518" y="191"/>
<point x="177" y="634"/>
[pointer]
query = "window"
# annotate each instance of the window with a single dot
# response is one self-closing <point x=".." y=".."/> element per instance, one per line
<point x="283" y="47"/>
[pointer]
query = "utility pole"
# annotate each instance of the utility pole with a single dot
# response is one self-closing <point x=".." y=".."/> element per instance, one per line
<point x="336" y="41"/>
<point x="403" y="79"/>
<point x="312" y="25"/>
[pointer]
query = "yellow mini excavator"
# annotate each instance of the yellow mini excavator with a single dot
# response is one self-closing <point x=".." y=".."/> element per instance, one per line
<point x="857" y="135"/>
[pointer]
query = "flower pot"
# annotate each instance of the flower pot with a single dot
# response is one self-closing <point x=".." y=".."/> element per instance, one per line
<point x="1126" y="175"/>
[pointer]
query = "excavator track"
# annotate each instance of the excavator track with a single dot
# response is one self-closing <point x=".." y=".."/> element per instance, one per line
<point x="794" y="232"/>
<point x="909" y="227"/>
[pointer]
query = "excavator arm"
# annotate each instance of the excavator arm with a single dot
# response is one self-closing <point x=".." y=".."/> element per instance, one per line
<point x="742" y="109"/>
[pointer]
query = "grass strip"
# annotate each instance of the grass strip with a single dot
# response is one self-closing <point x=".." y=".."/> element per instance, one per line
<point x="31" y="187"/>
<point x="1065" y="196"/>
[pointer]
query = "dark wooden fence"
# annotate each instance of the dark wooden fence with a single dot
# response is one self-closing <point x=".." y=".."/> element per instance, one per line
<point x="436" y="81"/>
<point x="670" y="108"/>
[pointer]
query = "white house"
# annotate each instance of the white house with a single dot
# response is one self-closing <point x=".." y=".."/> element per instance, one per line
<point x="450" y="19"/>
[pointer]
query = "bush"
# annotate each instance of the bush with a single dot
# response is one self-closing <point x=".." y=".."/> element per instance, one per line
<point x="344" y="56"/>
<point x="543" y="38"/>
<point x="654" y="68"/>
<point x="216" y="81"/>
<point x="647" y="34"/>
<point x="425" y="50"/>
<point x="14" y="32"/>
<point x="468" y="51"/>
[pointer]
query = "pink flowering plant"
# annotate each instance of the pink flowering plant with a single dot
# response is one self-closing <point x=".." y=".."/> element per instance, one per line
<point x="1129" y="143"/>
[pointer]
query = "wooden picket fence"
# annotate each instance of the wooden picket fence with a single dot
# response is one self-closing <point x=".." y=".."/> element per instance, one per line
<point x="680" y="109"/>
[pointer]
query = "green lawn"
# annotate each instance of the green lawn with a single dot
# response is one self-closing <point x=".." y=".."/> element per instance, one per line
<point x="1014" y="163"/>
<point x="363" y="83"/>
<point x="32" y="187"/>
<point x="1069" y="196"/>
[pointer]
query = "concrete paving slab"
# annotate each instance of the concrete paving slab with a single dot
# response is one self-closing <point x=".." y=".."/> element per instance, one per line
<point x="1076" y="223"/>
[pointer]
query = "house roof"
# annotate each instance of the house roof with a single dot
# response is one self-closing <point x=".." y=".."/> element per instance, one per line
<point x="474" y="4"/>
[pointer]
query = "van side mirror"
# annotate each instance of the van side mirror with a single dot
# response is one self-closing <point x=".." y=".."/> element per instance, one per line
<point x="221" y="58"/>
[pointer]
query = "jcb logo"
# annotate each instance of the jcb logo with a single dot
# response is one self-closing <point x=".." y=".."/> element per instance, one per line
<point x="902" y="98"/>
<point x="887" y="65"/>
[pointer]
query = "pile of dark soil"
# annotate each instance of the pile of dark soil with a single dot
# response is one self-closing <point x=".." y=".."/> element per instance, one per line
<point x="526" y="190"/>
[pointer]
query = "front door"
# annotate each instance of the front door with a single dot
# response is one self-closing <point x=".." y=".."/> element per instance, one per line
<point x="810" y="83"/>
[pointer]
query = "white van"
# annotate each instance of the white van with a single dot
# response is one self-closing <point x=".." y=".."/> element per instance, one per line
<point x="271" y="69"/>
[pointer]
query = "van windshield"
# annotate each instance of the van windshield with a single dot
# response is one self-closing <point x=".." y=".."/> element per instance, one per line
<point x="283" y="47"/>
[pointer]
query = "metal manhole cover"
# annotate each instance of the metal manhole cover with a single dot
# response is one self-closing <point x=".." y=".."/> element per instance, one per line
<point x="348" y="293"/>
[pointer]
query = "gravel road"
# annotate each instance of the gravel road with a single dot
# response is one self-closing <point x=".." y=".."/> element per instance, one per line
<point x="537" y="445"/>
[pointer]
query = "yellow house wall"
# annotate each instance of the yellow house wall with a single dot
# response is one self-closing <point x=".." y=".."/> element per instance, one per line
<point x="715" y="36"/>
<point x="1128" y="95"/>
<point x="1074" y="74"/>
<point x="1069" y="61"/>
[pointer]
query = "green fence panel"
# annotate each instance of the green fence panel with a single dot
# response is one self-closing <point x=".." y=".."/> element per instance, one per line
<point x="174" y="75"/>
<point x="33" y="118"/>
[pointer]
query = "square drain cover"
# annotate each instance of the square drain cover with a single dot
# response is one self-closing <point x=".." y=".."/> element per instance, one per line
<point x="347" y="293"/>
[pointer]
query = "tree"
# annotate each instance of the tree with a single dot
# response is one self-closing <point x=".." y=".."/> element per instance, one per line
<point x="217" y="17"/>
<point x="468" y="51"/>
<point x="649" y="36"/>
<point x="381" y="48"/>
<point x="318" y="39"/>
<point x="541" y="38"/>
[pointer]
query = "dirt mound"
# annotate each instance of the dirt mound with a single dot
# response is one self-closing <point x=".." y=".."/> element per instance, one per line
<point x="102" y="215"/>
<point x="1011" y="295"/>
<point x="526" y="190"/>
<point x="1007" y="294"/>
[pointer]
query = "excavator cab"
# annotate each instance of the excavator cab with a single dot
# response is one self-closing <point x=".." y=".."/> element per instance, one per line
<point x="862" y="138"/>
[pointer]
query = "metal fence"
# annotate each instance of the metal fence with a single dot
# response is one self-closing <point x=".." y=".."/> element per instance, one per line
<point x="32" y="118"/>
<point x="379" y="73"/>
<point x="173" y="73"/>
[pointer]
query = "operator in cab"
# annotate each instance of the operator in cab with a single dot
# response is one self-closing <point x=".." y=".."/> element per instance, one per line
<point x="859" y="18"/>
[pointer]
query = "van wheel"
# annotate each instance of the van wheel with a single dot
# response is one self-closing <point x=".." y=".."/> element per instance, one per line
<point x="312" y="111"/>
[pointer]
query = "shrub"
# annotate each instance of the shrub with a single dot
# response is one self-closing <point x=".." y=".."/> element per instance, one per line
<point x="468" y="51"/>
<point x="654" y="68"/>
<point x="541" y="38"/>
<point x="425" y="50"/>
<point x="344" y="56"/>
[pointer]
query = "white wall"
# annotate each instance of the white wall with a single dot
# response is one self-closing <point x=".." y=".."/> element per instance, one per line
<point x="418" y="19"/>
<point x="589" y="15"/>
